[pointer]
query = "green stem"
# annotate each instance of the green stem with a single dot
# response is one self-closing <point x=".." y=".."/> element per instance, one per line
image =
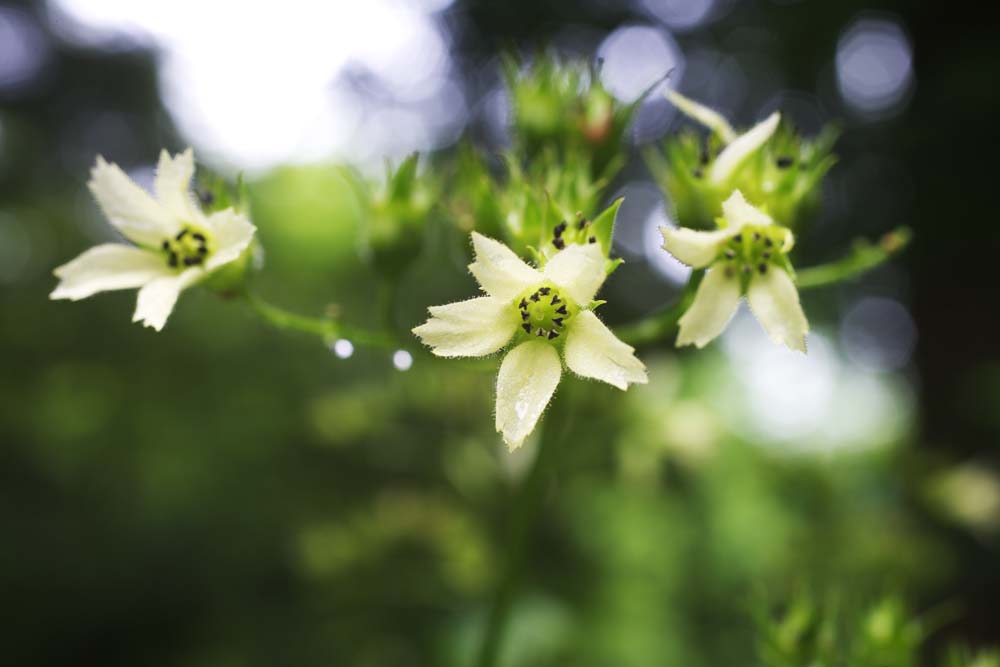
<point x="657" y="326"/>
<point x="863" y="257"/>
<point x="527" y="505"/>
<point x="327" y="328"/>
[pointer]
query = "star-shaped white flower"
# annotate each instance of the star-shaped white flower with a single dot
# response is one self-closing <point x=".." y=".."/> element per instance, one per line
<point x="176" y="244"/>
<point x="739" y="147"/>
<point x="546" y="311"/>
<point x="747" y="257"/>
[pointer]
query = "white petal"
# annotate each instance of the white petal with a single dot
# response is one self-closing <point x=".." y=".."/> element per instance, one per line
<point x="500" y="272"/>
<point x="128" y="207"/>
<point x="695" y="248"/>
<point x="157" y="298"/>
<point x="739" y="212"/>
<point x="472" y="328"/>
<point x="737" y="152"/>
<point x="173" y="185"/>
<point x="232" y="233"/>
<point x="527" y="379"/>
<point x="714" y="305"/>
<point x="710" y="118"/>
<point x="111" y="266"/>
<point x="775" y="301"/>
<point x="579" y="270"/>
<point x="593" y="351"/>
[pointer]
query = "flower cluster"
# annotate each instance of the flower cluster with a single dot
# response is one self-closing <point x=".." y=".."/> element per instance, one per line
<point x="770" y="164"/>
<point x="176" y="244"/>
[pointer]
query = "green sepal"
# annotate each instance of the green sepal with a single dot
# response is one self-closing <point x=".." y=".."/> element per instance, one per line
<point x="603" y="226"/>
<point x="611" y="265"/>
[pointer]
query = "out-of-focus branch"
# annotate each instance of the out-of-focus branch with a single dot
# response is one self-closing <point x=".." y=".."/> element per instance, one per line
<point x="863" y="257"/>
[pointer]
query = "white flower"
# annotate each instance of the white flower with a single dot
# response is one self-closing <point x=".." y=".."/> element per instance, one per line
<point x="546" y="310"/>
<point x="738" y="148"/>
<point x="176" y="244"/>
<point x="747" y="257"/>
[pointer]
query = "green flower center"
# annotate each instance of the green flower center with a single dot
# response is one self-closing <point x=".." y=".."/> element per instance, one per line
<point x="754" y="249"/>
<point x="545" y="312"/>
<point x="188" y="248"/>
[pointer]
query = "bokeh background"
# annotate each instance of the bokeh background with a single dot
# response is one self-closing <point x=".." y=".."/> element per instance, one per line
<point x="226" y="494"/>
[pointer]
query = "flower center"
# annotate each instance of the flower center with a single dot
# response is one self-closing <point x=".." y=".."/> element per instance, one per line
<point x="753" y="249"/>
<point x="545" y="311"/>
<point x="188" y="248"/>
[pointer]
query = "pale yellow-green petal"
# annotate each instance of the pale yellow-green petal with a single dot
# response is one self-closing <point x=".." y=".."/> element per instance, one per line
<point x="231" y="233"/>
<point x="739" y="212"/>
<point x="741" y="148"/>
<point x="578" y="270"/>
<point x="528" y="377"/>
<point x="500" y="272"/>
<point x="472" y="328"/>
<point x="714" y="305"/>
<point x="111" y="266"/>
<point x="695" y="248"/>
<point x="593" y="351"/>
<point x="128" y="207"/>
<point x="775" y="302"/>
<point x="710" y="118"/>
<point x="157" y="298"/>
<point x="173" y="185"/>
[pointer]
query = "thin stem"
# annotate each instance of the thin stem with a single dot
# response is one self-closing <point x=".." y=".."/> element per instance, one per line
<point x="863" y="257"/>
<point x="527" y="505"/>
<point x="324" y="327"/>
<point x="657" y="326"/>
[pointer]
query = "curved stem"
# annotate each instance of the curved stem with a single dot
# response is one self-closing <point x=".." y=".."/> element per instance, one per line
<point x="527" y="505"/>
<point x="325" y="327"/>
<point x="863" y="257"/>
<point x="659" y="325"/>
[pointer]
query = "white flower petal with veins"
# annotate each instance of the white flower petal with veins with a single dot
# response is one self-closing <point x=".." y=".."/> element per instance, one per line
<point x="128" y="207"/>
<point x="500" y="272"/>
<point x="775" y="302"/>
<point x="232" y="233"/>
<point x="528" y="377"/>
<point x="472" y="328"/>
<point x="695" y="248"/>
<point x="715" y="303"/>
<point x="173" y="185"/>
<point x="157" y="298"/>
<point x="579" y="270"/>
<point x="593" y="351"/>
<point x="111" y="266"/>
<point x="741" y="148"/>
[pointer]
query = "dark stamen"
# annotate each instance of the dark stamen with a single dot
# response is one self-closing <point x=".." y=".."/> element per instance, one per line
<point x="181" y="234"/>
<point x="765" y="255"/>
<point x="559" y="244"/>
<point x="166" y="244"/>
<point x="557" y="321"/>
<point x="544" y="291"/>
<point x="555" y="299"/>
<point x="524" y="315"/>
<point x="762" y="268"/>
<point x="768" y="242"/>
<point x="526" y="327"/>
<point x="198" y="237"/>
<point x="738" y="238"/>
<point x="540" y="332"/>
<point x="523" y="305"/>
<point x="173" y="260"/>
<point x="553" y="334"/>
<point x="561" y="309"/>
<point x="592" y="239"/>
<point x="534" y="297"/>
<point x="697" y="173"/>
<point x="560" y="228"/>
<point x="756" y="236"/>
<point x="191" y="261"/>
<point x="202" y="250"/>
<point x="784" y="162"/>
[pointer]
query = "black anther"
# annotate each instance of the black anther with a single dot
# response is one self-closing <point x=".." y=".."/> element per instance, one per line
<point x="557" y="321"/>
<point x="738" y="238"/>
<point x="592" y="239"/>
<point x="524" y="315"/>
<point x="166" y="244"/>
<point x="523" y="305"/>
<point x="561" y="309"/>
<point x="172" y="261"/>
<point x="784" y="162"/>
<point x="198" y="237"/>
<point x="762" y="268"/>
<point x="181" y="234"/>
<point x="559" y="243"/>
<point x="768" y="242"/>
<point x="560" y="228"/>
<point x="526" y="327"/>
<point x="534" y="297"/>
<point x="555" y="299"/>
<point x="765" y="255"/>
<point x="553" y="334"/>
<point x="697" y="173"/>
<point x="544" y="291"/>
<point x="540" y="332"/>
